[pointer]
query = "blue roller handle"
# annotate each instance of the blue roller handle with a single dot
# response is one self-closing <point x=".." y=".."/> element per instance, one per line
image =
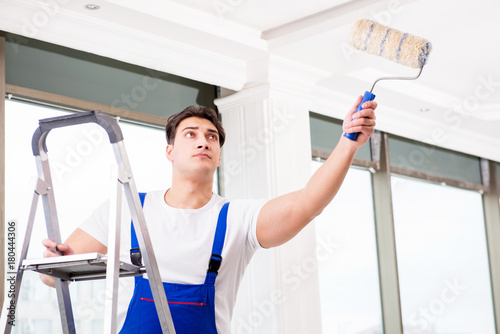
<point x="366" y="97"/>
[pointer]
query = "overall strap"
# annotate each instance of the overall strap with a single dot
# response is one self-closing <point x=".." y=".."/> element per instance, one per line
<point x="220" y="235"/>
<point x="135" y="251"/>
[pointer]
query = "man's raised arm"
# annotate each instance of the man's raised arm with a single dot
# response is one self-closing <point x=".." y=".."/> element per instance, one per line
<point x="283" y="217"/>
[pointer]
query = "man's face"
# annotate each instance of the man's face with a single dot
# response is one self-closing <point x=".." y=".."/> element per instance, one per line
<point x="195" y="151"/>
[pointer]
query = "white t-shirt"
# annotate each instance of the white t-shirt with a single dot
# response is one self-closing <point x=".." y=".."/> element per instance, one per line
<point x="182" y="240"/>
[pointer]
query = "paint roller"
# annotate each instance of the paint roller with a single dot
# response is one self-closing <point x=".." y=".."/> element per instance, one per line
<point x="392" y="44"/>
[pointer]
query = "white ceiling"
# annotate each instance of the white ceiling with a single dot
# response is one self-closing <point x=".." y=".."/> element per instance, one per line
<point x="218" y="41"/>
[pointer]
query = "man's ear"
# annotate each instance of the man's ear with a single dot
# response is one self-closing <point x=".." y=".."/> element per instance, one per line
<point x="169" y="150"/>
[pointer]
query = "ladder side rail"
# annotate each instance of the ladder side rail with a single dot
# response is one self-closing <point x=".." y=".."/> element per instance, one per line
<point x="53" y="232"/>
<point x="144" y="240"/>
<point x="113" y="256"/>
<point x="40" y="152"/>
<point x="10" y="304"/>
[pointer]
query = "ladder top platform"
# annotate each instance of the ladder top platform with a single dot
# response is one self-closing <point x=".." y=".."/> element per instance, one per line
<point x="78" y="267"/>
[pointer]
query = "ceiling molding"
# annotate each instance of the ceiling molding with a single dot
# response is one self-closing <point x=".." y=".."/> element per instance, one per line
<point x="415" y="87"/>
<point x="329" y="19"/>
<point x="487" y="112"/>
<point x="129" y="45"/>
<point x="185" y="16"/>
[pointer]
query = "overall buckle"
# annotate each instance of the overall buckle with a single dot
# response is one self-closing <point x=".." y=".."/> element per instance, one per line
<point x="214" y="264"/>
<point x="136" y="256"/>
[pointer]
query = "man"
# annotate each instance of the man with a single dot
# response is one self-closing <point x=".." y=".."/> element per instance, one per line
<point x="184" y="219"/>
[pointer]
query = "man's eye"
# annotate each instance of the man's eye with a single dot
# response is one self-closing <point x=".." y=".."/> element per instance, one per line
<point x="213" y="137"/>
<point x="189" y="134"/>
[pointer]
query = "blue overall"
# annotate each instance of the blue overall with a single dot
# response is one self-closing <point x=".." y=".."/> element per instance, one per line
<point x="192" y="306"/>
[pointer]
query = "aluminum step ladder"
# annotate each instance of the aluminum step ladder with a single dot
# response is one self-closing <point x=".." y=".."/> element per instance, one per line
<point x="89" y="266"/>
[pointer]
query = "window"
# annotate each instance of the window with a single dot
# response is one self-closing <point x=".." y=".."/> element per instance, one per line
<point x="442" y="259"/>
<point x="325" y="132"/>
<point x="347" y="259"/>
<point x="51" y="68"/>
<point x="417" y="157"/>
<point x="498" y="174"/>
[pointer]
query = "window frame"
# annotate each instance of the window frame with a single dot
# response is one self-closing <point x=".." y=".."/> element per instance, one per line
<point x="381" y="171"/>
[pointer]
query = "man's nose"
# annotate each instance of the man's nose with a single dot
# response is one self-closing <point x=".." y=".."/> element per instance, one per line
<point x="203" y="143"/>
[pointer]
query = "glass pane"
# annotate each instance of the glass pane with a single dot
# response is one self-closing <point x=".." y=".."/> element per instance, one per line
<point x="325" y="133"/>
<point x="347" y="259"/>
<point x="81" y="160"/>
<point x="55" y="69"/>
<point x="433" y="160"/>
<point x="442" y="259"/>
<point x="498" y="174"/>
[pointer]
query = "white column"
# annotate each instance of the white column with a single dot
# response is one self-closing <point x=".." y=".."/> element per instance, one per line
<point x="267" y="154"/>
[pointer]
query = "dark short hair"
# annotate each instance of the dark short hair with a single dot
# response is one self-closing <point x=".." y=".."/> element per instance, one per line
<point x="192" y="111"/>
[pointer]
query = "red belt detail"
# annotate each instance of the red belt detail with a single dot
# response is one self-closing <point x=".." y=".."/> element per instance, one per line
<point x="183" y="303"/>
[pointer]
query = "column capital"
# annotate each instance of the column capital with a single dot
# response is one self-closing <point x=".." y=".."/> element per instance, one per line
<point x="283" y="74"/>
